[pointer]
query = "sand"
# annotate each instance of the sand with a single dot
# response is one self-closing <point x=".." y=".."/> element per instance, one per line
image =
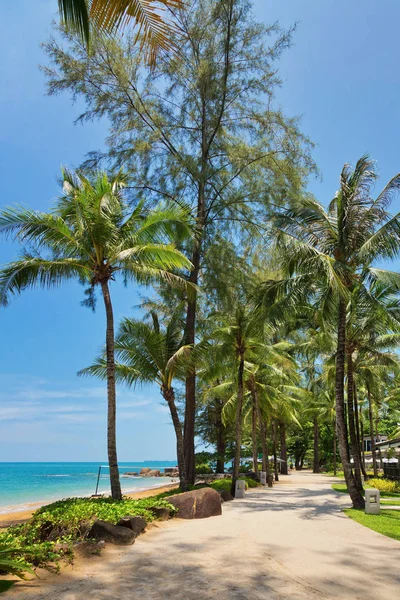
<point x="291" y="542"/>
<point x="17" y="517"/>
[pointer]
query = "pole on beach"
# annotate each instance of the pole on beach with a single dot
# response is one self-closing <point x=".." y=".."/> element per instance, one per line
<point x="98" y="479"/>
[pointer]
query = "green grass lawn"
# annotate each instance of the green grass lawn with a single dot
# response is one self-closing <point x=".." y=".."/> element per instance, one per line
<point x="341" y="487"/>
<point x="387" y="523"/>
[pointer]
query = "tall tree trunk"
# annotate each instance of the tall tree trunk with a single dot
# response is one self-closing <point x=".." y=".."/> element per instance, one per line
<point x="362" y="444"/>
<point x="111" y="396"/>
<point x="334" y="448"/>
<point x="316" y="445"/>
<point x="372" y="434"/>
<point x="274" y="450"/>
<point x="284" y="465"/>
<point x="238" y="435"/>
<point x="190" y="392"/>
<point x="221" y="440"/>
<point x="357" y="423"/>
<point x="264" y="444"/>
<point x="355" y="449"/>
<point x="355" y="494"/>
<point x="254" y="433"/>
<point x="169" y="396"/>
<point x="264" y="448"/>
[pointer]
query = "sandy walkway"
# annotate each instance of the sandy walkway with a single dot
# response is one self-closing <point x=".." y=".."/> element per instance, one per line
<point x="288" y="543"/>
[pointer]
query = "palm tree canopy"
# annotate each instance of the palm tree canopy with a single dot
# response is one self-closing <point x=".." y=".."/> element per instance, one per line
<point x="93" y="235"/>
<point x="147" y="352"/>
<point x="329" y="253"/>
<point x="154" y="30"/>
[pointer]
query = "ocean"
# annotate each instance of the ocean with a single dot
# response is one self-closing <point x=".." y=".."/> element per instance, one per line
<point x="26" y="483"/>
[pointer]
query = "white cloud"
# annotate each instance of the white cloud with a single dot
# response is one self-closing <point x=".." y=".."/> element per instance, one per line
<point x="33" y="399"/>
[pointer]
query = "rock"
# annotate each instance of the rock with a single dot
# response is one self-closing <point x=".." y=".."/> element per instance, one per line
<point x="161" y="513"/>
<point x="154" y="473"/>
<point x="226" y="495"/>
<point x="130" y="474"/>
<point x="102" y="530"/>
<point x="145" y="471"/>
<point x="87" y="549"/>
<point x="198" y="504"/>
<point x="136" y="524"/>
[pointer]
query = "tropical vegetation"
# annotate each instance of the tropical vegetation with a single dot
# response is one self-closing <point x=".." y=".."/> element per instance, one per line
<point x="270" y="319"/>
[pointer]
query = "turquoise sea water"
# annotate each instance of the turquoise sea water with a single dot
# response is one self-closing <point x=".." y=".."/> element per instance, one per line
<point x="24" y="483"/>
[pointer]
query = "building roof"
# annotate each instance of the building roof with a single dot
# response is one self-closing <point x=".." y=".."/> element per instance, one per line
<point x="395" y="443"/>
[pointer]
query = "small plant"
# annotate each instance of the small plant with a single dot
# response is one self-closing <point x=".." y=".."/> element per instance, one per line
<point x="10" y="564"/>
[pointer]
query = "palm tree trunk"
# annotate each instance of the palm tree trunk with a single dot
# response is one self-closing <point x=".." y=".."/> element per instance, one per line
<point x="371" y="429"/>
<point x="254" y="433"/>
<point x="220" y="434"/>
<point x="169" y="396"/>
<point x="274" y="451"/>
<point x="316" y="445"/>
<point x="355" y="449"/>
<point x="334" y="448"/>
<point x="111" y="396"/>
<point x="264" y="448"/>
<point x="362" y="444"/>
<point x="357" y="422"/>
<point x="238" y="436"/>
<point x="355" y="495"/>
<point x="284" y="465"/>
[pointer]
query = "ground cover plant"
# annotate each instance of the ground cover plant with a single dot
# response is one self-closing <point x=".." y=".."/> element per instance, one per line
<point x="387" y="523"/>
<point x="53" y="529"/>
<point x="342" y="488"/>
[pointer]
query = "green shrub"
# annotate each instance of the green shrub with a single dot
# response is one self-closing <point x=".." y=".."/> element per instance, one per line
<point x="68" y="521"/>
<point x="385" y="485"/>
<point x="204" y="469"/>
<point x="225" y="484"/>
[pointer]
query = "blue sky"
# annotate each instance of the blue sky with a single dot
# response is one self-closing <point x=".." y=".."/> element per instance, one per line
<point x="341" y="76"/>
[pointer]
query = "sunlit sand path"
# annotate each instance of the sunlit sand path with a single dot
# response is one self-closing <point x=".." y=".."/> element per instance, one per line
<point x="291" y="542"/>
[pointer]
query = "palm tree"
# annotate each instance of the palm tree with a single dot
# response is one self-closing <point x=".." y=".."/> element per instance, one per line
<point x="236" y="339"/>
<point x="329" y="253"/>
<point x="92" y="235"/>
<point x="147" y="352"/>
<point x="108" y="15"/>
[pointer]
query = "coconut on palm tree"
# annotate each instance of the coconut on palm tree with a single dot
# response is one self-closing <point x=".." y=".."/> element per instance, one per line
<point x="329" y="253"/>
<point x="92" y="235"/>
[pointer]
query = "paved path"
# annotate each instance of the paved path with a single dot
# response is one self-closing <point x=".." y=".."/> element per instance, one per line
<point x="288" y="543"/>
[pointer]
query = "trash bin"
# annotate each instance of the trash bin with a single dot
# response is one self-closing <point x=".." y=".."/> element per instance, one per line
<point x="240" y="488"/>
<point x="372" y="502"/>
<point x="263" y="478"/>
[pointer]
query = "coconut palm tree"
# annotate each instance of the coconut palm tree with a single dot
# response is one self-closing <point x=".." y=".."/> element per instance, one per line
<point x="147" y="352"/>
<point x="108" y="15"/>
<point x="93" y="236"/>
<point x="329" y="253"/>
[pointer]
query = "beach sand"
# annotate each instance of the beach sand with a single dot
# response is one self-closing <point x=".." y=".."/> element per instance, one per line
<point x="16" y="517"/>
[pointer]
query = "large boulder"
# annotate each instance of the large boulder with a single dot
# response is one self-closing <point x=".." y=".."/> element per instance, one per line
<point x="154" y="473"/>
<point x="161" y="512"/>
<point x="145" y="471"/>
<point x="226" y="495"/>
<point x="136" y="524"/>
<point x="121" y="536"/>
<point x="198" y="504"/>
